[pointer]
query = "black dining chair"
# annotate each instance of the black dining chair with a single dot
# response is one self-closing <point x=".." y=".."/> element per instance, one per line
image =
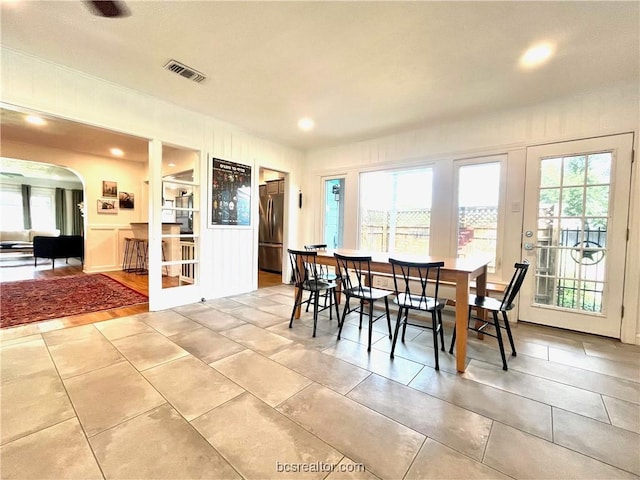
<point x="411" y="281"/>
<point x="494" y="306"/>
<point x="306" y="277"/>
<point x="325" y="273"/>
<point x="355" y="274"/>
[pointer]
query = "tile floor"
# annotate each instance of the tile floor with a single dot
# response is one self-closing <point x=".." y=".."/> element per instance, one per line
<point x="225" y="389"/>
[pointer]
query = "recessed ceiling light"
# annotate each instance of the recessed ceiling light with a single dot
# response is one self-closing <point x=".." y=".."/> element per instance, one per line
<point x="116" y="152"/>
<point x="306" y="124"/>
<point x="536" y="55"/>
<point x="171" y="164"/>
<point x="35" y="120"/>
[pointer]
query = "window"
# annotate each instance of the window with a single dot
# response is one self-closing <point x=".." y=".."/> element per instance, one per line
<point x="11" y="207"/>
<point x="333" y="212"/>
<point x="43" y="215"/>
<point x="478" y="210"/>
<point x="395" y="210"/>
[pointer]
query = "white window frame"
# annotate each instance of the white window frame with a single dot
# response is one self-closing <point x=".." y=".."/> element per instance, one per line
<point x="406" y="168"/>
<point x="502" y="159"/>
<point x="13" y="189"/>
<point x="46" y="192"/>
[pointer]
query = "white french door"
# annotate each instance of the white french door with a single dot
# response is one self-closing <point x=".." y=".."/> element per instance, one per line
<point x="575" y="233"/>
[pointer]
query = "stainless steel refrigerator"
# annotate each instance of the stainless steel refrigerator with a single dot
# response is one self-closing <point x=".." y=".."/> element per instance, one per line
<point x="271" y="226"/>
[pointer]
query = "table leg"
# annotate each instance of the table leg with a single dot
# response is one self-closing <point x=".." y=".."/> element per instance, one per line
<point x="299" y="307"/>
<point x="462" y="302"/>
<point x="481" y="291"/>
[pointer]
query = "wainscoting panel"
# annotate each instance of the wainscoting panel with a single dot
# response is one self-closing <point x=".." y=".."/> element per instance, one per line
<point x="104" y="247"/>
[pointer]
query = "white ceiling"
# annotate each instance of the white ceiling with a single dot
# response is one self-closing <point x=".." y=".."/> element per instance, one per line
<point x="360" y="69"/>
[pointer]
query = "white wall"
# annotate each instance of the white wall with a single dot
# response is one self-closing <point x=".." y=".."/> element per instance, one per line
<point x="607" y="111"/>
<point x="229" y="255"/>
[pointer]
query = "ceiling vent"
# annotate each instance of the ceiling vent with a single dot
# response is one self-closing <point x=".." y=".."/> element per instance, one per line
<point x="184" y="71"/>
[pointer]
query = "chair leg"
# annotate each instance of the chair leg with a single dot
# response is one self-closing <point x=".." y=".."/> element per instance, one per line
<point x="441" y="330"/>
<point x="395" y="335"/>
<point x="311" y="295"/>
<point x="453" y="339"/>
<point x="508" y="328"/>
<point x="335" y="303"/>
<point x="370" y="324"/>
<point x="344" y="314"/>
<point x="404" y="326"/>
<point x="386" y="309"/>
<point x="500" y="343"/>
<point x="295" y="304"/>
<point x="315" y="312"/>
<point x="434" y="324"/>
<point x="361" y="309"/>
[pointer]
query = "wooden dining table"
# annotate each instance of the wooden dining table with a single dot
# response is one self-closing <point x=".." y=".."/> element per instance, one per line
<point x="458" y="271"/>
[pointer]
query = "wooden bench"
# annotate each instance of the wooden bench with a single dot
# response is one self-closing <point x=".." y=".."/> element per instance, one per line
<point x="493" y="289"/>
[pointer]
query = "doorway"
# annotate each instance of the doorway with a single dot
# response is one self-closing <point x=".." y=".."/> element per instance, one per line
<point x="575" y="233"/>
<point x="271" y="227"/>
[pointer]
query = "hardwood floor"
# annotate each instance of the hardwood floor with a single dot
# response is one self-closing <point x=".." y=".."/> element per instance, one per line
<point x="268" y="279"/>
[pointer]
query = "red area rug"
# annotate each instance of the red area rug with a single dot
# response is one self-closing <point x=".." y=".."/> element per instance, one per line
<point x="29" y="301"/>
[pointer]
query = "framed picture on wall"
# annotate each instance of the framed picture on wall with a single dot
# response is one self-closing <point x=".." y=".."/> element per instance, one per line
<point x="109" y="189"/>
<point x="229" y="193"/>
<point x="107" y="205"/>
<point x="126" y="200"/>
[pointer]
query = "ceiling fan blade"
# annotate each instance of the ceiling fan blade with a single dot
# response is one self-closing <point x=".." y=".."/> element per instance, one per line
<point x="108" y="8"/>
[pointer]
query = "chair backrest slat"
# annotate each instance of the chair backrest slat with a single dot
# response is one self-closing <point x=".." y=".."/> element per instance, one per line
<point x="517" y="279"/>
<point x="303" y="265"/>
<point x="354" y="272"/>
<point x="411" y="279"/>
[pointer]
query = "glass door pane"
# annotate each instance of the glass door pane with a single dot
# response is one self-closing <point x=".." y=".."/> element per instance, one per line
<point x="333" y="212"/>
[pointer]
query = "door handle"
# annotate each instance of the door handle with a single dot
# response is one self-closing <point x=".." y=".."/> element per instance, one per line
<point x="530" y="246"/>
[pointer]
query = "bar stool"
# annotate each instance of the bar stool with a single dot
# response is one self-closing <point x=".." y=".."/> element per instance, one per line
<point x="129" y="251"/>
<point x="142" y="249"/>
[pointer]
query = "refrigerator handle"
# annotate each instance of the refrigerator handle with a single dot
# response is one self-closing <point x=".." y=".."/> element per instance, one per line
<point x="269" y="217"/>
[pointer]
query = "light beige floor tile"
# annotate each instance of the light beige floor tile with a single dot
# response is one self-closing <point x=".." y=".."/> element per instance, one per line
<point x="551" y="338"/>
<point x="30" y="403"/>
<point x="522" y="413"/>
<point x="8" y="340"/>
<point x="623" y="414"/>
<point x="324" y="369"/>
<point x="192" y="387"/>
<point x="168" y="322"/>
<point x="286" y="300"/>
<point x="106" y="397"/>
<point x="257" y="339"/>
<point x="355" y="430"/>
<point x="65" y="335"/>
<point x="192" y="308"/>
<point x="440" y="462"/>
<point x="206" y="344"/>
<point x="420" y="350"/>
<point x="268" y="380"/>
<point x="347" y="469"/>
<point x="578" y="377"/>
<point x="257" y="317"/>
<point x="243" y="443"/>
<point x="609" y="444"/>
<point x="252" y="300"/>
<point x="123" y="327"/>
<point x="465" y="431"/>
<point x="216" y="320"/>
<point x="398" y="369"/>
<point x="303" y="334"/>
<point x="224" y="304"/>
<point x="60" y="451"/>
<point x="81" y="353"/>
<point x="24" y="359"/>
<point x="158" y="444"/>
<point x="279" y="310"/>
<point x="147" y="350"/>
<point x="611" y="352"/>
<point x="595" y="364"/>
<point x="524" y="456"/>
<point x="355" y="334"/>
<point x="545" y="391"/>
